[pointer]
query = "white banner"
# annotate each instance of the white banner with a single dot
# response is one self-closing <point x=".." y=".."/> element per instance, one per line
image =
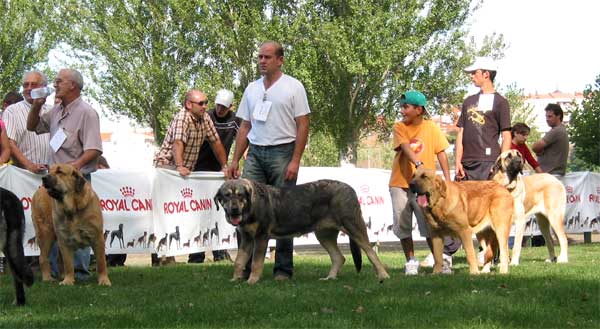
<point x="146" y="209"/>
<point x="185" y="216"/>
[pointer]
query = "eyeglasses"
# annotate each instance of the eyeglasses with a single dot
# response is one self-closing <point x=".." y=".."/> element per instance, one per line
<point x="201" y="103"/>
<point x="31" y="84"/>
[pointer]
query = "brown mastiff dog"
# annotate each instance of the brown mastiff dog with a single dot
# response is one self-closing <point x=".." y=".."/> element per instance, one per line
<point x="542" y="195"/>
<point x="464" y="208"/>
<point x="261" y="212"/>
<point x="66" y="209"/>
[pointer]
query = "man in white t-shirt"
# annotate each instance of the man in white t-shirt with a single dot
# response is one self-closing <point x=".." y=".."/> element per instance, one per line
<point x="274" y="112"/>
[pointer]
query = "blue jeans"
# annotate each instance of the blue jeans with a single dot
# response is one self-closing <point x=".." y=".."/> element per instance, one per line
<point x="268" y="164"/>
<point x="81" y="257"/>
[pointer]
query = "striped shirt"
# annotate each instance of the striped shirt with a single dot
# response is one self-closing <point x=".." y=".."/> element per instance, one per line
<point x="36" y="148"/>
<point x="192" y="132"/>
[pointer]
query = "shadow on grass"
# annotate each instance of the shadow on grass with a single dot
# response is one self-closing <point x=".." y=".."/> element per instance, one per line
<point x="534" y="294"/>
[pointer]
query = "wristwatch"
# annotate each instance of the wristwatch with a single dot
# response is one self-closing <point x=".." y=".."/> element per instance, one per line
<point x="418" y="163"/>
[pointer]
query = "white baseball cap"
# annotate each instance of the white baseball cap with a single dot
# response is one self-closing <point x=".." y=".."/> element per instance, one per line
<point x="482" y="63"/>
<point x="224" y="97"/>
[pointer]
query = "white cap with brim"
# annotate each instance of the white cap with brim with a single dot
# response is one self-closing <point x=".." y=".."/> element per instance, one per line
<point x="482" y="63"/>
<point x="224" y="97"/>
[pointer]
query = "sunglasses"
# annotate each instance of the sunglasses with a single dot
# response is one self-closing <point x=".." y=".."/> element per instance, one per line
<point x="201" y="103"/>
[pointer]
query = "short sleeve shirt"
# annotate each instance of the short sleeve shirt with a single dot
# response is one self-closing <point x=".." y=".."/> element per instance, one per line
<point x="482" y="127"/>
<point x="553" y="159"/>
<point x="35" y="148"/>
<point x="289" y="101"/>
<point x="81" y="124"/>
<point x="426" y="140"/>
<point x="192" y="132"/>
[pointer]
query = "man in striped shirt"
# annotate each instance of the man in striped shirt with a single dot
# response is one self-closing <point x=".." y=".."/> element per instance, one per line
<point x="187" y="131"/>
<point x="28" y="150"/>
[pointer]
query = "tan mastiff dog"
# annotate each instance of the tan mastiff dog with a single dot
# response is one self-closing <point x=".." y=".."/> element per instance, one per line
<point x="464" y="208"/>
<point x="76" y="220"/>
<point x="542" y="195"/>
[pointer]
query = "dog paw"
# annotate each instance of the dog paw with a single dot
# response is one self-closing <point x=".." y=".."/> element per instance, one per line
<point x="67" y="282"/>
<point x="383" y="276"/>
<point x="104" y="282"/>
<point x="252" y="281"/>
<point x="551" y="260"/>
<point x="328" y="278"/>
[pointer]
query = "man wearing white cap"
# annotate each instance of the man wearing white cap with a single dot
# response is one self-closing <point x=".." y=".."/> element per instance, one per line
<point x="484" y="118"/>
<point x="227" y="126"/>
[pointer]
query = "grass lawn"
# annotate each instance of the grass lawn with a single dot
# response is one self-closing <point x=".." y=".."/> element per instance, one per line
<point x="534" y="295"/>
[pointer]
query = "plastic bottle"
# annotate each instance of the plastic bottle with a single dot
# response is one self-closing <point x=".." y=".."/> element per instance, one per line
<point x="41" y="92"/>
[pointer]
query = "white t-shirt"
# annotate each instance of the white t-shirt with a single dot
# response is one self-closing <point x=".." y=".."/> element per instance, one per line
<point x="288" y="101"/>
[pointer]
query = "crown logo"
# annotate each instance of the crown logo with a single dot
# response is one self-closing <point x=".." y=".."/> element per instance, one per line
<point x="364" y="188"/>
<point x="127" y="191"/>
<point x="569" y="189"/>
<point x="186" y="192"/>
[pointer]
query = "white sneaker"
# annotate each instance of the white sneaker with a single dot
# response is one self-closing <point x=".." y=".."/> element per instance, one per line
<point x="411" y="267"/>
<point x="428" y="261"/>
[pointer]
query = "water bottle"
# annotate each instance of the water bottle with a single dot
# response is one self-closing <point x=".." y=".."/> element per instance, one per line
<point x="41" y="92"/>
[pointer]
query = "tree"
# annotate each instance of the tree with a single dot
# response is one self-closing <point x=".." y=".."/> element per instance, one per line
<point x="25" y="39"/>
<point x="146" y="54"/>
<point x="356" y="58"/>
<point x="520" y="111"/>
<point x="584" y="129"/>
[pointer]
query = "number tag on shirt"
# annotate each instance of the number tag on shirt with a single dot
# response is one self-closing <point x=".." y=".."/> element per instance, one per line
<point x="261" y="110"/>
<point x="58" y="139"/>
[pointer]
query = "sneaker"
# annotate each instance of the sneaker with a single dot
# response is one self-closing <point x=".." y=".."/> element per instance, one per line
<point x="428" y="261"/>
<point x="411" y="267"/>
<point x="481" y="258"/>
<point x="447" y="265"/>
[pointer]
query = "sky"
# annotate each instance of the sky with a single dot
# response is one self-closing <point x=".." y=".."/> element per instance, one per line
<point x="552" y="44"/>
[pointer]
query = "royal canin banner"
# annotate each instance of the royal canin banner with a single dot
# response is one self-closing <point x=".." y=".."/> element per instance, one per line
<point x="157" y="210"/>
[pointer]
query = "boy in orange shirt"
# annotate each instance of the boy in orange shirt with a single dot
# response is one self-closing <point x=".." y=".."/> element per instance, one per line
<point x="417" y="142"/>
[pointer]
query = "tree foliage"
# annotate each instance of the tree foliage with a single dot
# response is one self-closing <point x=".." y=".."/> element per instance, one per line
<point x="584" y="129"/>
<point x="521" y="112"/>
<point x="357" y="58"/>
<point x="25" y="39"/>
<point x="354" y="57"/>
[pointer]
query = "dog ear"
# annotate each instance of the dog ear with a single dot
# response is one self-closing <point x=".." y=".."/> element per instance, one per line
<point x="497" y="166"/>
<point x="440" y="186"/>
<point x="217" y="198"/>
<point x="79" y="181"/>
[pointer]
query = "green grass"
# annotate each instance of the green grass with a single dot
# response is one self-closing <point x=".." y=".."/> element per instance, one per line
<point x="534" y="295"/>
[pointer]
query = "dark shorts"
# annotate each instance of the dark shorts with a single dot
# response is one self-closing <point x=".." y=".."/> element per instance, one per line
<point x="479" y="170"/>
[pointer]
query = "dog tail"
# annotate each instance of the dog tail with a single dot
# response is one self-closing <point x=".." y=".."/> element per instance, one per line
<point x="356" y="255"/>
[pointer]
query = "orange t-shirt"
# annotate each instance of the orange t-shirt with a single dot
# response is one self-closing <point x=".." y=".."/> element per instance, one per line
<point x="426" y="141"/>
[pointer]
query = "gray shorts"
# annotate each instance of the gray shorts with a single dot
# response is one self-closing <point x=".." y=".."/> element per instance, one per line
<point x="404" y="204"/>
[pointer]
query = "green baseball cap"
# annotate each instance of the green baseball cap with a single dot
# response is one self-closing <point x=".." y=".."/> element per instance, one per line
<point x="414" y="97"/>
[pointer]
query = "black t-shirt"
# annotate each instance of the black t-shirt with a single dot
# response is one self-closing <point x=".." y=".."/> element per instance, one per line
<point x="482" y="128"/>
<point x="227" y="129"/>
